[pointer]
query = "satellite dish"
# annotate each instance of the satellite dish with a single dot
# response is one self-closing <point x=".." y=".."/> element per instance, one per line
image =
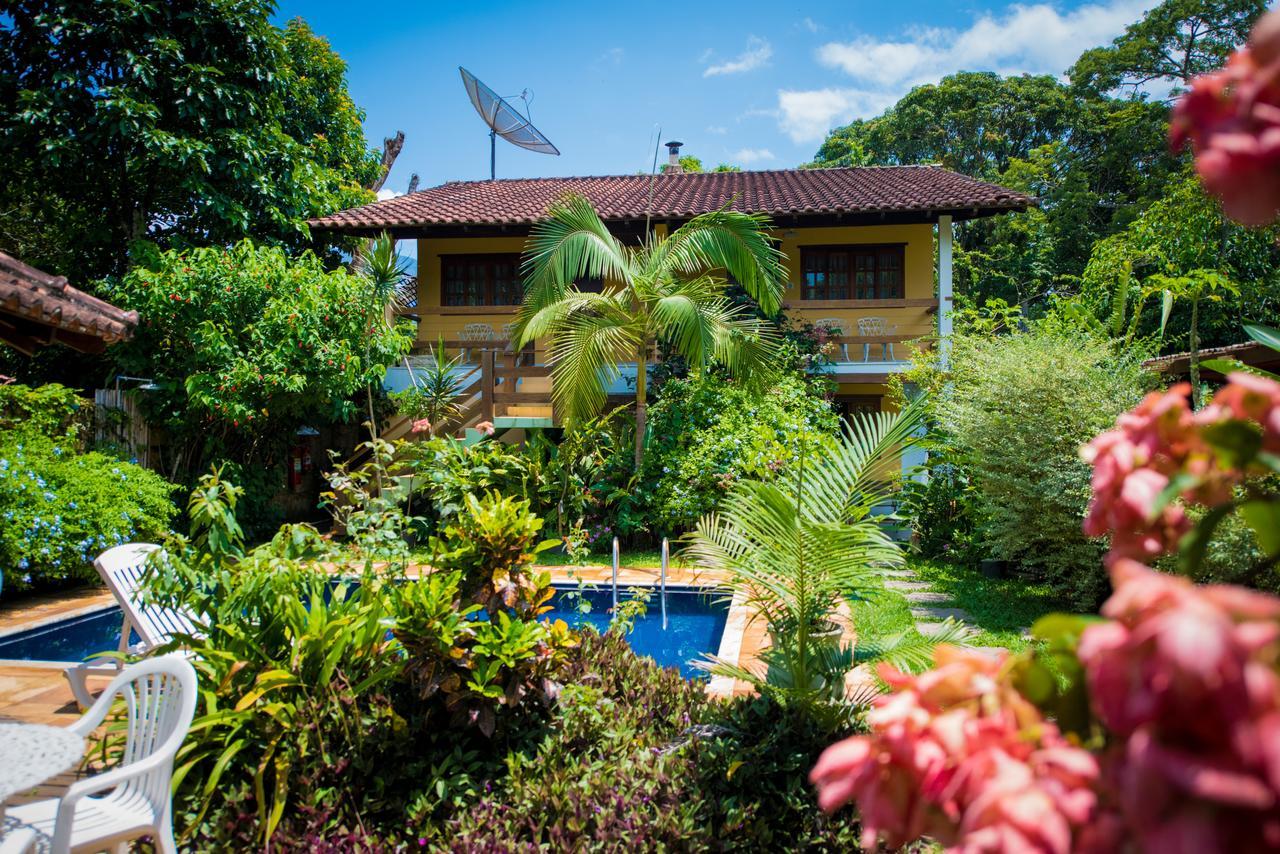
<point x="504" y="120"/>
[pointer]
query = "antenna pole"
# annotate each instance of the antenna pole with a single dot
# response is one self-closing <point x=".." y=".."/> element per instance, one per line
<point x="653" y="175"/>
<point x="493" y="154"/>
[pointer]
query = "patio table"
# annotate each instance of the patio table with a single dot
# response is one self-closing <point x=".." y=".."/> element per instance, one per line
<point x="32" y="753"/>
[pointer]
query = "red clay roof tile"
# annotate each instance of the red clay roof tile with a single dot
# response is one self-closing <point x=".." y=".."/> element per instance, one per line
<point x="35" y="297"/>
<point x="800" y="192"/>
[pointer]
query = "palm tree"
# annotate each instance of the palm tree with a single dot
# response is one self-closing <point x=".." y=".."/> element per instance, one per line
<point x="670" y="288"/>
<point x="797" y="546"/>
<point x="385" y="272"/>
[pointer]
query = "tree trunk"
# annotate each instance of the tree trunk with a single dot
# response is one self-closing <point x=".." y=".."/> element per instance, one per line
<point x="642" y="369"/>
<point x="391" y="147"/>
<point x="1194" y="357"/>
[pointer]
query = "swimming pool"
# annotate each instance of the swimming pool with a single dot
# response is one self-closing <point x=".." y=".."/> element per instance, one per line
<point x="695" y="625"/>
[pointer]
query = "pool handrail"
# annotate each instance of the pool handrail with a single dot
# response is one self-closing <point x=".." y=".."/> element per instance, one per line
<point x="666" y="557"/>
<point x="616" y="556"/>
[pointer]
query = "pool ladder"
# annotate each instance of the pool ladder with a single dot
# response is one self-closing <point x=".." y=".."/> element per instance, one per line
<point x="666" y="560"/>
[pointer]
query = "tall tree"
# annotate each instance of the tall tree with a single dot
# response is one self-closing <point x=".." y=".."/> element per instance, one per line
<point x="974" y="122"/>
<point x="670" y="288"/>
<point x="1169" y="45"/>
<point x="189" y="124"/>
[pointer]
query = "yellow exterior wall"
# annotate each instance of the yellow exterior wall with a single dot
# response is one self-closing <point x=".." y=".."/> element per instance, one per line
<point x="438" y="321"/>
<point x="911" y="320"/>
<point x="918" y="262"/>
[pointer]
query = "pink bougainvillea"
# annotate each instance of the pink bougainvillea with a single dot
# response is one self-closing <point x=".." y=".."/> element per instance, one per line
<point x="1185" y="680"/>
<point x="1231" y="118"/>
<point x="958" y="755"/>
<point x="1161" y="438"/>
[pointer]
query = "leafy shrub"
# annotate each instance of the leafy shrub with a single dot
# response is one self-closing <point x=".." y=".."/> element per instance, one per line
<point x="753" y="777"/>
<point x="1018" y="410"/>
<point x="51" y="410"/>
<point x="707" y="432"/>
<point x="60" y="509"/>
<point x="944" y="513"/>
<point x="481" y="568"/>
<point x="247" y="344"/>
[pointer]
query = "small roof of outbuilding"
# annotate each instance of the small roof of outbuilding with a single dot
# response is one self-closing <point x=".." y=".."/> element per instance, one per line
<point x="38" y="309"/>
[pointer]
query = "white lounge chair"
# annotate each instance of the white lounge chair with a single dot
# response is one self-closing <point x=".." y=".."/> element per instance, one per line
<point x="122" y="569"/>
<point x="160" y="695"/>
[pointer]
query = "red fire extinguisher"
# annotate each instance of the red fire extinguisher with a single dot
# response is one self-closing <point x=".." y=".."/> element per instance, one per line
<point x="295" y="466"/>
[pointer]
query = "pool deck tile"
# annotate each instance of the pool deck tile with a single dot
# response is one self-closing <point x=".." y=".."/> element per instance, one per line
<point x="28" y="612"/>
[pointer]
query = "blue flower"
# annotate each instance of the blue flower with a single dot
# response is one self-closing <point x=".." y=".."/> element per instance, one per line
<point x="24" y="563"/>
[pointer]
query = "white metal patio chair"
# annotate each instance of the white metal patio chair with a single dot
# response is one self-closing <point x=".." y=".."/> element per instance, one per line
<point x="843" y="330"/>
<point x="876" y="327"/>
<point x="122" y="569"/>
<point x="474" y="333"/>
<point x="160" y="699"/>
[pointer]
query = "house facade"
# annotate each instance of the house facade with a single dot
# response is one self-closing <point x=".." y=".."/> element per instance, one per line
<point x="868" y="253"/>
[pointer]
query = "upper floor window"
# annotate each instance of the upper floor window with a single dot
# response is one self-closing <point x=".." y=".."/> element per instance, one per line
<point x="851" y="272"/>
<point x="481" y="280"/>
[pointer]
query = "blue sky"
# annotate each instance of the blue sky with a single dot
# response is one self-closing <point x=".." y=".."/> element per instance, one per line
<point x="752" y="83"/>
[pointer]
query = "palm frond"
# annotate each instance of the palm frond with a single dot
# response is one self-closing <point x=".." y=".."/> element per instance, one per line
<point x="585" y="352"/>
<point x="732" y="241"/>
<point x="570" y="243"/>
<point x="861" y="473"/>
<point x="911" y="651"/>
<point x="385" y="271"/>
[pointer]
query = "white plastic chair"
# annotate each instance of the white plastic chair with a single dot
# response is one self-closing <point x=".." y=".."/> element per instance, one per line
<point x="876" y="326"/>
<point x="122" y="569"/>
<point x="160" y="696"/>
<point x="474" y="333"/>
<point x="838" y="324"/>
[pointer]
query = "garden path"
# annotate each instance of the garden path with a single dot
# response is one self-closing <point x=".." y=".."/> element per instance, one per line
<point x="929" y="608"/>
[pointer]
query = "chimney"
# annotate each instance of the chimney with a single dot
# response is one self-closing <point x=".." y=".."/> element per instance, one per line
<point x="673" y="159"/>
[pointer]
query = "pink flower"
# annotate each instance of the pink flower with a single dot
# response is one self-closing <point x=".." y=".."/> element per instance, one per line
<point x="422" y="425"/>
<point x="1232" y="120"/>
<point x="1186" y="678"/>
<point x="486" y="427"/>
<point x="955" y="753"/>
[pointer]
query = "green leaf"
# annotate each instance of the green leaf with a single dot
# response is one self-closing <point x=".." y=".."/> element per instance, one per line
<point x="1237" y="442"/>
<point x="1266" y="335"/>
<point x="1264" y="518"/>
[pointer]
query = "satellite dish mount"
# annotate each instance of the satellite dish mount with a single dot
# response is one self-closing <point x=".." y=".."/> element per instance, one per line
<point x="504" y="120"/>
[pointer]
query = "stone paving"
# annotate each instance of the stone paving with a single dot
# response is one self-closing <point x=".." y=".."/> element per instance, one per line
<point x="931" y="610"/>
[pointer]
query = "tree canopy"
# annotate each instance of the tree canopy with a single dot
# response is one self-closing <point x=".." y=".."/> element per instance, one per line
<point x="189" y="124"/>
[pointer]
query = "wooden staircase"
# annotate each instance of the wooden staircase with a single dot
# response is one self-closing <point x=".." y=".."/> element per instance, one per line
<point x="500" y="389"/>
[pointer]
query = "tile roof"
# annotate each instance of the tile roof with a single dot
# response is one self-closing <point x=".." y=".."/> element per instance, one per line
<point x="34" y="300"/>
<point x="798" y="192"/>
<point x="1248" y="352"/>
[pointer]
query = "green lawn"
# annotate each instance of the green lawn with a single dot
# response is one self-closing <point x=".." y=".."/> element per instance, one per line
<point x="1001" y="609"/>
<point x="640" y="558"/>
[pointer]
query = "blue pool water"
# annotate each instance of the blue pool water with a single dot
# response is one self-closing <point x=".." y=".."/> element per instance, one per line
<point x="695" y="622"/>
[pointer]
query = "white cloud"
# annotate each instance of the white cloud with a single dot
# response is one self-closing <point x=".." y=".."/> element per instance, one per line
<point x="718" y="130"/>
<point x="612" y="56"/>
<point x="386" y="193"/>
<point x="748" y="156"/>
<point x="809" y="24"/>
<point x="808" y="115"/>
<point x="757" y="54"/>
<point x="1035" y="39"/>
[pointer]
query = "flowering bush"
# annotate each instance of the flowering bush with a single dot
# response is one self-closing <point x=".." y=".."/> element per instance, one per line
<point x="59" y="509"/>
<point x="1176" y="693"/>
<point x="958" y="754"/>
